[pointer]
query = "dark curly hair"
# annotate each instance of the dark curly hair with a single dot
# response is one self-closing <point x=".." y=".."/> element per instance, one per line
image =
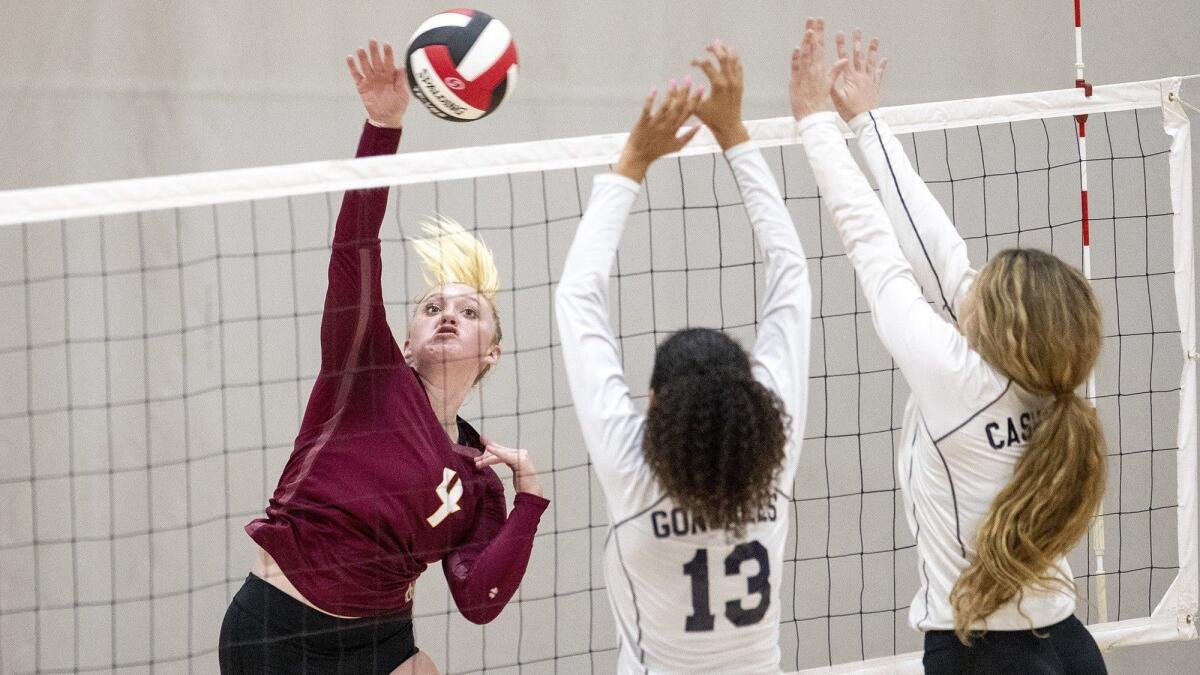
<point x="714" y="436"/>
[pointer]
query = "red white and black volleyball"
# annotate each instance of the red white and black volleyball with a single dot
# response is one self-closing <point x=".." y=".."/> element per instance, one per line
<point x="462" y="64"/>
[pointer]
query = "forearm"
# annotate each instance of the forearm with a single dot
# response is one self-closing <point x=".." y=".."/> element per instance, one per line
<point x="859" y="218"/>
<point x="764" y="204"/>
<point x="362" y="211"/>
<point x="354" y="314"/>
<point x="581" y="299"/>
<point x="781" y="349"/>
<point x="483" y="582"/>
<point x="923" y="345"/>
<point x="926" y="235"/>
<point x="590" y="352"/>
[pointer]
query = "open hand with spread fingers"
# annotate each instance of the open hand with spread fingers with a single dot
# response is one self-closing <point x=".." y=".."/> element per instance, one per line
<point x="857" y="76"/>
<point x="381" y="84"/>
<point x="656" y="132"/>
<point x="721" y="111"/>
<point x="810" y="82"/>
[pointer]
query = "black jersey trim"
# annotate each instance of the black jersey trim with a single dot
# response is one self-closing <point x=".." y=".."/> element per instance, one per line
<point x="637" y="614"/>
<point x="977" y="413"/>
<point x="936" y="277"/>
<point x="925" y="574"/>
<point x="912" y="457"/>
<point x="946" y="465"/>
<point x="634" y="516"/>
<point x="953" y="493"/>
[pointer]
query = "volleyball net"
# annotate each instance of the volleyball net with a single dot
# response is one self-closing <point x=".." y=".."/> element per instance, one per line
<point x="161" y="337"/>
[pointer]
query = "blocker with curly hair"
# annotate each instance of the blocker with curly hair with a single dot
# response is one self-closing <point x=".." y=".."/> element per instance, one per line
<point x="714" y="435"/>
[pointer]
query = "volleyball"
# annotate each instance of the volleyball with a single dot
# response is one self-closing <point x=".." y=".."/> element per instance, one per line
<point x="462" y="64"/>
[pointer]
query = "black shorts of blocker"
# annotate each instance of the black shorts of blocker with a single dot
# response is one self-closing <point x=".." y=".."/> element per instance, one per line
<point x="267" y="631"/>
<point x="1065" y="647"/>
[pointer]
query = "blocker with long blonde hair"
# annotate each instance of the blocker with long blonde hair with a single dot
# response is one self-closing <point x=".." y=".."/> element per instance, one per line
<point x="1035" y="319"/>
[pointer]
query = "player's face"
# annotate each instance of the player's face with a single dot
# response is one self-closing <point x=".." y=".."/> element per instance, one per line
<point x="453" y="326"/>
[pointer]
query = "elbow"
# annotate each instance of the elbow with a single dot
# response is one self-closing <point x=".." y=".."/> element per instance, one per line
<point x="563" y="304"/>
<point x="562" y="295"/>
<point x="480" y="614"/>
<point x="571" y="293"/>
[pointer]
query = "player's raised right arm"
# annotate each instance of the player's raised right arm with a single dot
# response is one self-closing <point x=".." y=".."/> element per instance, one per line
<point x="927" y="349"/>
<point x="353" y="327"/>
<point x="780" y="354"/>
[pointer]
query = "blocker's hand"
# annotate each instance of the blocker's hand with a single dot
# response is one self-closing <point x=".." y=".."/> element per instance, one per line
<point x="721" y="112"/>
<point x="656" y="132"/>
<point x="857" y="89"/>
<point x="525" y="475"/>
<point x="382" y="86"/>
<point x="809" y="85"/>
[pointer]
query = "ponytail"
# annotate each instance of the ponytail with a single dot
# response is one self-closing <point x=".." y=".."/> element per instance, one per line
<point x="1055" y="490"/>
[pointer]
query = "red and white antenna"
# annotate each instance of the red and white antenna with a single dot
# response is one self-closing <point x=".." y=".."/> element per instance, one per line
<point x="1098" y="547"/>
<point x="1081" y="126"/>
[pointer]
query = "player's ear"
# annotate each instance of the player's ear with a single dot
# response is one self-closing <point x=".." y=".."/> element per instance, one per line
<point x="650" y="400"/>
<point x="407" y="351"/>
<point x="491" y="356"/>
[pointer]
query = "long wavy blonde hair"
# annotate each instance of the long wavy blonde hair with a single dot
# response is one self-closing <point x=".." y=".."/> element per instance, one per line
<point x="1035" y="319"/>
<point x="451" y="255"/>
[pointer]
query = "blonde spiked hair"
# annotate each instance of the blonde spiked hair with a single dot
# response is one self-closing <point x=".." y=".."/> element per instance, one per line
<point x="1035" y="319"/>
<point x="451" y="255"/>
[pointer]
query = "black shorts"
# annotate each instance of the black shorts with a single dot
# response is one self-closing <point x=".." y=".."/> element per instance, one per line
<point x="267" y="631"/>
<point x="1065" y="647"/>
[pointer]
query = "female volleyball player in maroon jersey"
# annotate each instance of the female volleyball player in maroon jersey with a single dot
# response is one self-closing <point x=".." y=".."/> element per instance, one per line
<point x="376" y="489"/>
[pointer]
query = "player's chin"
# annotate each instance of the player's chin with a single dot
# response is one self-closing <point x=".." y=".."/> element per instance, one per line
<point x="447" y="355"/>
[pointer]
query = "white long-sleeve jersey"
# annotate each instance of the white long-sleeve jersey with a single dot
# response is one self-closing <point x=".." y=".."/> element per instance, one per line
<point x="686" y="599"/>
<point x="965" y="425"/>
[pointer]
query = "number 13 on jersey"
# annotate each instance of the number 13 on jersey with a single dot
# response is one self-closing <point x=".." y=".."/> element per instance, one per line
<point x="736" y="611"/>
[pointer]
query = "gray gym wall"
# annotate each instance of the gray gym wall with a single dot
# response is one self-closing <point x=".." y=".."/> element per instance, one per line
<point x="106" y="90"/>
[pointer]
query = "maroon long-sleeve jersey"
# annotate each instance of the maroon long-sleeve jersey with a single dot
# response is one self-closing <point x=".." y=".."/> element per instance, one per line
<point x="374" y="491"/>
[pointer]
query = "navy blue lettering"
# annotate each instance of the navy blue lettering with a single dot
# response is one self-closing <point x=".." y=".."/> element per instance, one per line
<point x="992" y="426"/>
<point x="679" y="521"/>
<point x="1013" y="436"/>
<point x="657" y="520"/>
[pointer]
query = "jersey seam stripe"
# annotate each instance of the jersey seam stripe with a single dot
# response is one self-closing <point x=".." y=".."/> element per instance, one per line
<point x="924" y="573"/>
<point x="953" y="493"/>
<point x="637" y="614"/>
<point x="937" y="278"/>
<point x="967" y="421"/>
<point x="917" y="535"/>
<point x="639" y="514"/>
<point x="360" y="331"/>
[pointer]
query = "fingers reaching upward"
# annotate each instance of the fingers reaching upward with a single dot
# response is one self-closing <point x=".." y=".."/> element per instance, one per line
<point x="809" y="83"/>
<point x="852" y="82"/>
<point x="721" y="112"/>
<point x="656" y="132"/>
<point x="857" y="77"/>
<point x="381" y="84"/>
